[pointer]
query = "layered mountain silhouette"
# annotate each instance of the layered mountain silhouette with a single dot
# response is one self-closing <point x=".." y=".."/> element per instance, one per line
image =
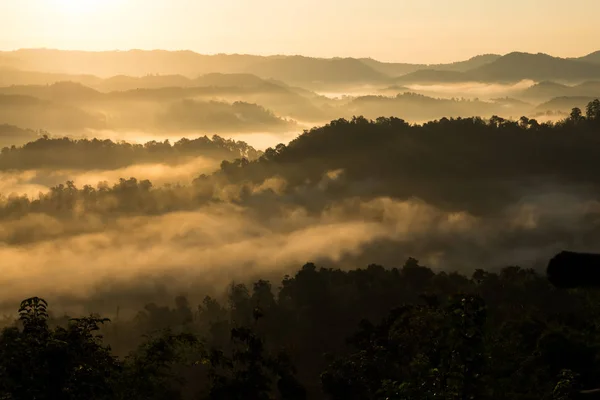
<point x="186" y="91"/>
<point x="399" y="69"/>
<point x="565" y="103"/>
<point x="433" y="76"/>
<point x="12" y="135"/>
<point x="512" y="67"/>
<point x="123" y="94"/>
<point x="173" y="68"/>
<point x="306" y="70"/>
<point x="538" y="67"/>
<point x="547" y="90"/>
<point x="592" y="57"/>
<point x="64" y="91"/>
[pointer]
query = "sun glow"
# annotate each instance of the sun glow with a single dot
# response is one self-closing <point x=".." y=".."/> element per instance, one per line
<point x="82" y="7"/>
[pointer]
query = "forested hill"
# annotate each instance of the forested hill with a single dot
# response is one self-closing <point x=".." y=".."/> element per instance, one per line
<point x="458" y="164"/>
<point x="57" y="153"/>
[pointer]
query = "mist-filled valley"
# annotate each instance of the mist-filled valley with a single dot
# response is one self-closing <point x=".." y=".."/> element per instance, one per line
<point x="145" y="92"/>
<point x="455" y="193"/>
<point x="251" y="213"/>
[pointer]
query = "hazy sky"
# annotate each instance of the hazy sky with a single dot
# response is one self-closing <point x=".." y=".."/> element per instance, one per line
<point x="396" y="30"/>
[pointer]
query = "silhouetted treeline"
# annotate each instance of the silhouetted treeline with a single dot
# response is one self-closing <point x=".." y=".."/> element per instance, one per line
<point x="418" y="107"/>
<point x="84" y="154"/>
<point x="461" y="164"/>
<point x="372" y="333"/>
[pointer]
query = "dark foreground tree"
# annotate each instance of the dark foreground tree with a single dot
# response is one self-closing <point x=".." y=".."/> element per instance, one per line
<point x="250" y="373"/>
<point x="38" y="363"/>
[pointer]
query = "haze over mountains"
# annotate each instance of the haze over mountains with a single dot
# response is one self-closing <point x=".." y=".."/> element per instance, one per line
<point x="298" y="200"/>
<point x="69" y="92"/>
<point x="298" y="69"/>
<point x="58" y="110"/>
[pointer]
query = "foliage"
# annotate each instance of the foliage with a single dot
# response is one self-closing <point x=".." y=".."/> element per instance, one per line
<point x="56" y="152"/>
<point x="458" y="164"/>
<point x="249" y="373"/>
<point x="37" y="362"/>
<point x="417" y="335"/>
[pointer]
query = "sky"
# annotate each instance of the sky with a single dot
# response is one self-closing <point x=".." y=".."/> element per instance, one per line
<point x="424" y="31"/>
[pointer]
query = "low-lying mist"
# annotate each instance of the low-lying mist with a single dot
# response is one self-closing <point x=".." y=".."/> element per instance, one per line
<point x="245" y="104"/>
<point x="485" y="91"/>
<point x="259" y="140"/>
<point x="32" y="182"/>
<point x="98" y="224"/>
<point x="116" y="252"/>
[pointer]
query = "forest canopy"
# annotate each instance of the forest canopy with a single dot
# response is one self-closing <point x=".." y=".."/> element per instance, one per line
<point x="366" y="333"/>
<point x="50" y="152"/>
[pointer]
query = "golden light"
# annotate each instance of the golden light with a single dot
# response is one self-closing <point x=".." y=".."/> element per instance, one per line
<point x="81" y="7"/>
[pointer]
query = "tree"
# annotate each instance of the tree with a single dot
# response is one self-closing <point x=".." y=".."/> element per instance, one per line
<point x="576" y="115"/>
<point x="37" y="362"/>
<point x="150" y="372"/>
<point x="592" y="112"/>
<point x="249" y="373"/>
<point x="496" y="121"/>
<point x="524" y="122"/>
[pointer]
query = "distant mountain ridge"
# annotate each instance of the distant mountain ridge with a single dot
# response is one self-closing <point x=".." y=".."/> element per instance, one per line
<point x="592" y="57"/>
<point x="518" y="66"/>
<point x="399" y="69"/>
<point x="303" y="71"/>
<point x="513" y="67"/>
<point x="188" y="63"/>
<point x="137" y="63"/>
<point x="204" y="102"/>
<point x="547" y="90"/>
<point x="17" y="81"/>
